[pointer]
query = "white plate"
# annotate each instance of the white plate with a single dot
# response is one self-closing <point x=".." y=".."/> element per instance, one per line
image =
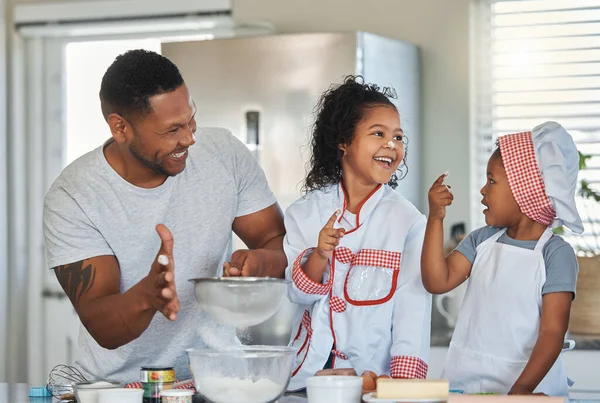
<point x="372" y="397"/>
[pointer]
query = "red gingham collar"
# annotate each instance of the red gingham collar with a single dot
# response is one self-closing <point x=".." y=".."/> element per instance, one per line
<point x="524" y="177"/>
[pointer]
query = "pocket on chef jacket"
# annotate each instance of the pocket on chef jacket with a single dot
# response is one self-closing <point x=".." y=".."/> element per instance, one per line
<point x="302" y="341"/>
<point x="372" y="277"/>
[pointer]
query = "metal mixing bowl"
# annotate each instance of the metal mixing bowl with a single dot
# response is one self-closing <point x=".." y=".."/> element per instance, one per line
<point x="243" y="374"/>
<point x="240" y="301"/>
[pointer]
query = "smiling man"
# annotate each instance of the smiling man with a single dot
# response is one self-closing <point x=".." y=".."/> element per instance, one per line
<point x="158" y="186"/>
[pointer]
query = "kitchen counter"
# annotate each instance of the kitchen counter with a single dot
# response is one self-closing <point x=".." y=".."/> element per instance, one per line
<point x="19" y="394"/>
<point x="585" y="342"/>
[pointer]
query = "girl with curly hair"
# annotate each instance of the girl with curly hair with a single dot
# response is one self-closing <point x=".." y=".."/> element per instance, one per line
<point x="353" y="244"/>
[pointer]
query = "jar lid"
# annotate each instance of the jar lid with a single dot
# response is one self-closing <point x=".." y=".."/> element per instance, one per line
<point x="177" y="392"/>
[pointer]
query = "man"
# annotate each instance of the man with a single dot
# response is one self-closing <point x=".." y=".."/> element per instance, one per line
<point x="149" y="191"/>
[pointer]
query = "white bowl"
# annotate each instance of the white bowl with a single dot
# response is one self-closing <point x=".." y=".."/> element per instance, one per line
<point x="120" y="395"/>
<point x="87" y="396"/>
<point x="240" y="301"/>
<point x="87" y="392"/>
<point x="334" y="389"/>
<point x="244" y="374"/>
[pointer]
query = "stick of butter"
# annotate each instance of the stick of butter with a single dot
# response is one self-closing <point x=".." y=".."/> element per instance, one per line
<point x="412" y="389"/>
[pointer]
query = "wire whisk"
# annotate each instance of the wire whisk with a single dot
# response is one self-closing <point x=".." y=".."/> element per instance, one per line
<point x="61" y="380"/>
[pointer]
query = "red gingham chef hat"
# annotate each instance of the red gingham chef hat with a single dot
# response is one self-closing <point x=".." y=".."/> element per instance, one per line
<point x="542" y="167"/>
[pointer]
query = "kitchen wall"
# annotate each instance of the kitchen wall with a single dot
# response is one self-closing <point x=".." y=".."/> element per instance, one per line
<point x="441" y="29"/>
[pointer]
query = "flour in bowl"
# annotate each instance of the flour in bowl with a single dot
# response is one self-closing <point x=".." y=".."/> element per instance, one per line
<point x="236" y="390"/>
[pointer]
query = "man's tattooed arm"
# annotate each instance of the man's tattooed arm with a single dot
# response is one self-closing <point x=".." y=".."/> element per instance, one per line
<point x="112" y="318"/>
<point x="76" y="279"/>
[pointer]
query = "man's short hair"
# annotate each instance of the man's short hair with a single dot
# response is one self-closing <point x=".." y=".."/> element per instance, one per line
<point x="132" y="79"/>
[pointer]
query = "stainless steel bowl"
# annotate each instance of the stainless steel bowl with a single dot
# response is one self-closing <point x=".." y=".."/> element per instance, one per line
<point x="240" y="301"/>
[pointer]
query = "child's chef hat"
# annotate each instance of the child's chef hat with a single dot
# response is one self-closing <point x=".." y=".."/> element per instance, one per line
<point x="541" y="167"/>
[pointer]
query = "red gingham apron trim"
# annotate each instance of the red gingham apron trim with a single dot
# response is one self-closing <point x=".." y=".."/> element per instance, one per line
<point x="377" y="258"/>
<point x="339" y="354"/>
<point x="306" y="323"/>
<point x="524" y="177"/>
<point x="337" y="304"/>
<point x="305" y="283"/>
<point x="369" y="257"/>
<point x="189" y="384"/>
<point x="343" y="254"/>
<point x="407" y="367"/>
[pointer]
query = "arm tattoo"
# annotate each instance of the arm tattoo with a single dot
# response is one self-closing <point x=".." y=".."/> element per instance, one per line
<point x="76" y="279"/>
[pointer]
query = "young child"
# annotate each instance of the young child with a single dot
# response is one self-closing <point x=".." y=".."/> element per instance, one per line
<point x="515" y="313"/>
<point x="353" y="245"/>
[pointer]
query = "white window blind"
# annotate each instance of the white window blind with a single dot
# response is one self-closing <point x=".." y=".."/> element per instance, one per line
<point x="537" y="60"/>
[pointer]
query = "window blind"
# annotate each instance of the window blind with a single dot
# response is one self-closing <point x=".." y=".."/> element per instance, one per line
<point x="533" y="61"/>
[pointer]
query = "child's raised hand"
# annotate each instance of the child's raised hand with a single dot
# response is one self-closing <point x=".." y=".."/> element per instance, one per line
<point x="329" y="237"/>
<point x="440" y="196"/>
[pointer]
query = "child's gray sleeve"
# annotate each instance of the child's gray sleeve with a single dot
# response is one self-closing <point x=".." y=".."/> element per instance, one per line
<point x="468" y="246"/>
<point x="561" y="267"/>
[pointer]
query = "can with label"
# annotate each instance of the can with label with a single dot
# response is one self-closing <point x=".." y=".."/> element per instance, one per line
<point x="157" y="374"/>
<point x="154" y="380"/>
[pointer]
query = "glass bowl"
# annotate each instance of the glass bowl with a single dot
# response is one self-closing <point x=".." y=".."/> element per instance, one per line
<point x="242" y="374"/>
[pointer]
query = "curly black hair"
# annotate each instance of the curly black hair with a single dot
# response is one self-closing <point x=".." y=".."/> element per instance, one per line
<point x="340" y="109"/>
<point x="132" y="79"/>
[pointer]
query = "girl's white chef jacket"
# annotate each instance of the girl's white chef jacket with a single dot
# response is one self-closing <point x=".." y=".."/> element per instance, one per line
<point x="370" y="309"/>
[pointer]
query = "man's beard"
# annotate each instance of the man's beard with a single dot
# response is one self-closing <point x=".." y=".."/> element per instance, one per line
<point x="147" y="162"/>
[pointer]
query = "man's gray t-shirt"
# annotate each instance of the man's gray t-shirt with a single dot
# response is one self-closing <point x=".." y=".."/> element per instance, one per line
<point x="559" y="257"/>
<point x="90" y="210"/>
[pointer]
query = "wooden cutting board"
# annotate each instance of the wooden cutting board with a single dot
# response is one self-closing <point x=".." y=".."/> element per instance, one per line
<point x="505" y="399"/>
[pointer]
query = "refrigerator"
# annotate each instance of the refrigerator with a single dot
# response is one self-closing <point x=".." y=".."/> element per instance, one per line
<point x="264" y="89"/>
